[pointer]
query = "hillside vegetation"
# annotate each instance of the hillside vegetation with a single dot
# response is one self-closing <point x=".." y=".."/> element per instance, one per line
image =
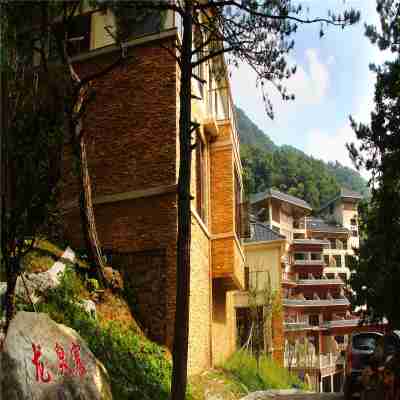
<point x="289" y="169"/>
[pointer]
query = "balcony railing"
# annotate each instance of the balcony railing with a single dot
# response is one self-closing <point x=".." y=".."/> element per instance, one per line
<point x="292" y="278"/>
<point x="309" y="262"/>
<point x="315" y="303"/>
<point x="338" y="323"/>
<point x="320" y="281"/>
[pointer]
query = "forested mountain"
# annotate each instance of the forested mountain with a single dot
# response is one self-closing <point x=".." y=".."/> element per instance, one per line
<point x="289" y="169"/>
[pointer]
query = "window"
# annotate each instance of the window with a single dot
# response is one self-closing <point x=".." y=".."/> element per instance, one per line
<point x="299" y="256"/>
<point x="246" y="278"/>
<point x="332" y="243"/>
<point x="275" y="229"/>
<point x="237" y="205"/>
<point x="314" y="320"/>
<point x="347" y="259"/>
<point x="353" y="222"/>
<point x="344" y="244"/>
<point x="79" y="34"/>
<point x="354" y="233"/>
<point x="316" y="256"/>
<point x="78" y="37"/>
<point x="338" y="260"/>
<point x="199" y="70"/>
<point x="326" y="259"/>
<point x="200" y="179"/>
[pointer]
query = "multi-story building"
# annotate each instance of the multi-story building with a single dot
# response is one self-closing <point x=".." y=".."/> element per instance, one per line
<point x="317" y="314"/>
<point x="131" y="132"/>
<point x="259" y="303"/>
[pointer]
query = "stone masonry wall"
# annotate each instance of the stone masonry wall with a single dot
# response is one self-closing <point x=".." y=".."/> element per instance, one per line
<point x="200" y="302"/>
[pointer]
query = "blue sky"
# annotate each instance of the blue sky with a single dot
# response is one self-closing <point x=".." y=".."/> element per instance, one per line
<point x="332" y="82"/>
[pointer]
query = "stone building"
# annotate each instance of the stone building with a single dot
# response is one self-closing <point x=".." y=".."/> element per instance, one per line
<point x="133" y="153"/>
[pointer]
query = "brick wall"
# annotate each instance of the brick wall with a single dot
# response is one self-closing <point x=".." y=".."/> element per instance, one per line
<point x="130" y="133"/>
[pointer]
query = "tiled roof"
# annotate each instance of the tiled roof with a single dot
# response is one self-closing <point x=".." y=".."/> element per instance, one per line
<point x="344" y="193"/>
<point x="320" y="225"/>
<point x="275" y="194"/>
<point x="261" y="232"/>
<point x="350" y="193"/>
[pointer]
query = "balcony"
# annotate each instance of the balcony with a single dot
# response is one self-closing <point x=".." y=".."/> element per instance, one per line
<point x="326" y="363"/>
<point x="228" y="262"/>
<point x="320" y="282"/>
<point x="315" y="303"/>
<point x="297" y="324"/>
<point x="288" y="278"/>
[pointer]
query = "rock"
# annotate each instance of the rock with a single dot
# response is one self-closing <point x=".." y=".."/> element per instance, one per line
<point x="38" y="282"/>
<point x="90" y="307"/>
<point x="81" y="377"/>
<point x="114" y="278"/>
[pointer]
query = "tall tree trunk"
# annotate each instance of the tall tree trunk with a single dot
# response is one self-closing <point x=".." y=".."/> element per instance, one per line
<point x="86" y="203"/>
<point x="181" y="330"/>
<point x="12" y="268"/>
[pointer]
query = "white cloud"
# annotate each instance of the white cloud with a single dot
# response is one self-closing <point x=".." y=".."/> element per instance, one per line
<point x="331" y="60"/>
<point x="331" y="146"/>
<point x="310" y="85"/>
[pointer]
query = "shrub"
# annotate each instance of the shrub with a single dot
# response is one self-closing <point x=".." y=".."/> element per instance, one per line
<point x="243" y="367"/>
<point x="137" y="367"/>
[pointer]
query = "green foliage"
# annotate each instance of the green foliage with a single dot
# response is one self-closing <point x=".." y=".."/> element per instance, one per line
<point x="290" y="170"/>
<point x="137" y="367"/>
<point x="243" y="366"/>
<point x="251" y="134"/>
<point x="92" y="284"/>
<point x="376" y="282"/>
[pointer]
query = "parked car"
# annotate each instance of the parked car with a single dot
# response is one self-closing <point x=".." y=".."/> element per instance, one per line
<point x="358" y="355"/>
<point x="382" y="379"/>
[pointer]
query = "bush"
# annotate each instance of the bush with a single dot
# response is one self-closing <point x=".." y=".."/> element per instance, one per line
<point x="137" y="367"/>
<point x="243" y="367"/>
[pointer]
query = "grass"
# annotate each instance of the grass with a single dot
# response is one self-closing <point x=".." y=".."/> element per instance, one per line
<point x="239" y="376"/>
<point x="242" y="366"/>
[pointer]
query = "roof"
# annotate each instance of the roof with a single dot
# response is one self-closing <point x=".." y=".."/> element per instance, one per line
<point x="343" y="194"/>
<point x="320" y="225"/>
<point x="261" y="232"/>
<point x="347" y="193"/>
<point x="275" y="194"/>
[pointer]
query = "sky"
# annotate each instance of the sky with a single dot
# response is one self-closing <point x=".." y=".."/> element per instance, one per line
<point x="332" y="81"/>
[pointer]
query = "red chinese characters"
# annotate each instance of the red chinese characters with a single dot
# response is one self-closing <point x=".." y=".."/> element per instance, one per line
<point x="63" y="368"/>
<point x="40" y="373"/>
<point x="76" y="355"/>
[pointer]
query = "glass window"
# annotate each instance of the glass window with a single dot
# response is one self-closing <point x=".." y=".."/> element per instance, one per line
<point x="354" y="233"/>
<point x="299" y="256"/>
<point x="338" y="260"/>
<point x="316" y="256"/>
<point x="200" y="179"/>
<point x="326" y="259"/>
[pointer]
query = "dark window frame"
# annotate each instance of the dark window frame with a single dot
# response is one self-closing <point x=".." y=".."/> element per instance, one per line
<point x="201" y="179"/>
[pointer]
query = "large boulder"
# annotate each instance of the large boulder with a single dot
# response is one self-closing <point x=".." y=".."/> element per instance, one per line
<point x="41" y="281"/>
<point x="64" y="367"/>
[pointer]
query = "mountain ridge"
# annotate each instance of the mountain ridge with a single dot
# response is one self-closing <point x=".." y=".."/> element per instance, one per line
<point x="289" y="169"/>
